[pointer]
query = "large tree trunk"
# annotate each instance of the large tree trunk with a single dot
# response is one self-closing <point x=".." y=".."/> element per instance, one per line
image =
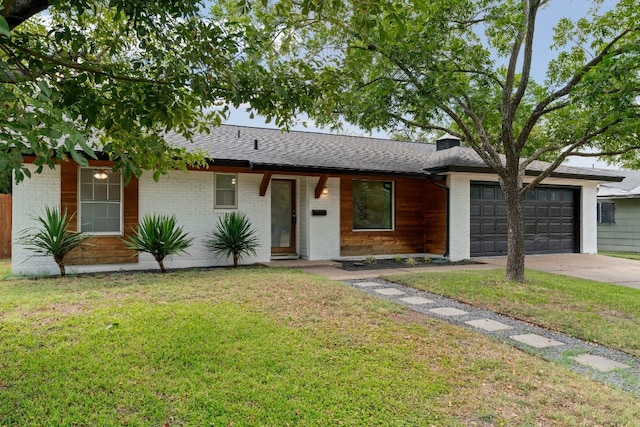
<point x="515" y="234"/>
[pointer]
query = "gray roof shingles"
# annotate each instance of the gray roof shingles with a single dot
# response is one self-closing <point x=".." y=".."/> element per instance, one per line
<point x="320" y="151"/>
<point x="629" y="187"/>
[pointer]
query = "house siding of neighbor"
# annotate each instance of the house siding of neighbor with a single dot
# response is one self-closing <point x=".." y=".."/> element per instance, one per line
<point x="311" y="196"/>
<point x="619" y="214"/>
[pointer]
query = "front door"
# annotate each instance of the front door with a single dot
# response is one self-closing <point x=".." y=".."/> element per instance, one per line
<point x="283" y="216"/>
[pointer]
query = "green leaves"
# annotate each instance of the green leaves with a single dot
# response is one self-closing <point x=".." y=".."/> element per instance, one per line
<point x="53" y="237"/>
<point x="160" y="236"/>
<point x="233" y="237"/>
<point x="4" y="27"/>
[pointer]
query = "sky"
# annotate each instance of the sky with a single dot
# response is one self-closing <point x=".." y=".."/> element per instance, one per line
<point x="548" y="18"/>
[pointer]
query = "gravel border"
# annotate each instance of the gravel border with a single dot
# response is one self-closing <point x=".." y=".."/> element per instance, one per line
<point x="624" y="379"/>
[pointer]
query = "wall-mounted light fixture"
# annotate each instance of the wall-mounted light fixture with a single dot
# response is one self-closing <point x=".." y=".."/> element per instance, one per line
<point x="325" y="191"/>
<point x="100" y="174"/>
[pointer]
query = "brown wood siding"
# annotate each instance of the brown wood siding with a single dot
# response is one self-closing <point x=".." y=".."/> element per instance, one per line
<point x="5" y="225"/>
<point x="420" y="220"/>
<point x="98" y="249"/>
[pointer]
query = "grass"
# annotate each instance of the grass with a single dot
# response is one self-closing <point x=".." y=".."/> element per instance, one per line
<point x="265" y="347"/>
<point x="627" y="255"/>
<point x="599" y="312"/>
<point x="5" y="268"/>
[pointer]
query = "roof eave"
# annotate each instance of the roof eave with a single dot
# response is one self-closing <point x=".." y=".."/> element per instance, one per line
<point x="487" y="170"/>
<point x="336" y="171"/>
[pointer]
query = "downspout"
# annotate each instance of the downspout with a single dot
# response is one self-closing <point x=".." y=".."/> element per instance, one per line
<point x="446" y="213"/>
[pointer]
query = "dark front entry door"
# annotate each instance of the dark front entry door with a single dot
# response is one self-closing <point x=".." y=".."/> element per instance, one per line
<point x="283" y="216"/>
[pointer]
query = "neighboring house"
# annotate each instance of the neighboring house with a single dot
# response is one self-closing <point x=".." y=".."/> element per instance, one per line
<point x="618" y="214"/>
<point x="314" y="196"/>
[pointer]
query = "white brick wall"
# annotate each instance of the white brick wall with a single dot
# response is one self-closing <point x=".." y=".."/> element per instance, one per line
<point x="324" y="231"/>
<point x="190" y="197"/>
<point x="588" y="213"/>
<point x="459" y="216"/>
<point x="29" y="199"/>
<point x="303" y="215"/>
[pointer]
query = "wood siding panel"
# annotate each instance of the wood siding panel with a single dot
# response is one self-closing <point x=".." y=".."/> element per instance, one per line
<point x="420" y="220"/>
<point x="98" y="249"/>
<point x="5" y="225"/>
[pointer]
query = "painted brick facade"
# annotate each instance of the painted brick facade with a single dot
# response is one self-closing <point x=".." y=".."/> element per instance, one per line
<point x="29" y="199"/>
<point x="323" y="231"/>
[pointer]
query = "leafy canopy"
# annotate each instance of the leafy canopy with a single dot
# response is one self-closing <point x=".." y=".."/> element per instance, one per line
<point x="117" y="75"/>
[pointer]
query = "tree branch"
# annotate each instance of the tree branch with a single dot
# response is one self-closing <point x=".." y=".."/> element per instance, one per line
<point x="85" y="67"/>
<point x="18" y="11"/>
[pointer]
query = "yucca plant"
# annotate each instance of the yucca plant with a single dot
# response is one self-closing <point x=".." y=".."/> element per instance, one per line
<point x="52" y="237"/>
<point x="159" y="235"/>
<point x="233" y="237"/>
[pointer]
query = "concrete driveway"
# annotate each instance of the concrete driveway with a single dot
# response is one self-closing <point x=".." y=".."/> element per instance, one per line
<point x="620" y="271"/>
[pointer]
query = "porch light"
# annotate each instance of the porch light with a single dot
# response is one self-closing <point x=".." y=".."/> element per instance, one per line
<point x="325" y="190"/>
<point x="100" y="174"/>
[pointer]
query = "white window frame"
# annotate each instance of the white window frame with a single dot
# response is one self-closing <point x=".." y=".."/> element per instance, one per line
<point x="393" y="207"/>
<point x="215" y="190"/>
<point x="79" y="218"/>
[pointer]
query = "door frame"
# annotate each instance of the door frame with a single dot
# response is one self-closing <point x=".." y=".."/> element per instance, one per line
<point x="292" y="249"/>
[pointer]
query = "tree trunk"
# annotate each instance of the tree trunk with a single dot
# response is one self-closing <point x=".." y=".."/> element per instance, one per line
<point x="515" y="234"/>
<point x="161" y="264"/>
<point x="236" y="259"/>
<point x="62" y="270"/>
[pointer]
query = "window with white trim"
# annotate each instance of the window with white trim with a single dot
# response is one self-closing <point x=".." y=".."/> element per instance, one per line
<point x="100" y="195"/>
<point x="225" y="190"/>
<point x="372" y="205"/>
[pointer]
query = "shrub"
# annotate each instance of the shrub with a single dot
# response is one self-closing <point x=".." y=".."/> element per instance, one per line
<point x="53" y="237"/>
<point x="426" y="260"/>
<point x="159" y="236"/>
<point x="233" y="237"/>
<point x="411" y="261"/>
<point x="398" y="258"/>
<point x="369" y="260"/>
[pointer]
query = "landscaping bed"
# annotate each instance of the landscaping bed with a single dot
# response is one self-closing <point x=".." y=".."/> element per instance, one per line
<point x="391" y="263"/>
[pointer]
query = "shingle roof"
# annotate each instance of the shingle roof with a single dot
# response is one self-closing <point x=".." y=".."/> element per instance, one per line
<point x="296" y="150"/>
<point x="629" y="187"/>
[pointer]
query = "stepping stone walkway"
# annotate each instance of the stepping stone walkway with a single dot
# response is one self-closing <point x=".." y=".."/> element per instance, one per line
<point x="600" y="363"/>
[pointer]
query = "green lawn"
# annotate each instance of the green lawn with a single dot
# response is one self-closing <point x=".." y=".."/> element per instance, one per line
<point x="628" y="255"/>
<point x="265" y="347"/>
<point x="5" y="268"/>
<point x="599" y="312"/>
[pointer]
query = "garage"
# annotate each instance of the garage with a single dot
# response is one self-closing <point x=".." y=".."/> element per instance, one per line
<point x="550" y="225"/>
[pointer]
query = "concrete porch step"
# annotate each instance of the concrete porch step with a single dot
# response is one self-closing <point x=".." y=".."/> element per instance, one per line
<point x="300" y="263"/>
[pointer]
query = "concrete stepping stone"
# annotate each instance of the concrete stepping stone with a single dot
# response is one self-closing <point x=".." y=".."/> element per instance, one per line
<point x="488" y="325"/>
<point x="535" y="340"/>
<point x="389" y="291"/>
<point x="416" y="300"/>
<point x="448" y="311"/>
<point x="599" y="363"/>
<point x="366" y="284"/>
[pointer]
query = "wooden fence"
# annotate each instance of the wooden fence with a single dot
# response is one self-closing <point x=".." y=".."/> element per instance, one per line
<point x="5" y="225"/>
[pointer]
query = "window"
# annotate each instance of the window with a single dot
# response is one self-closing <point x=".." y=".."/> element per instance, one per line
<point x="372" y="205"/>
<point x="606" y="213"/>
<point x="225" y="190"/>
<point x="100" y="201"/>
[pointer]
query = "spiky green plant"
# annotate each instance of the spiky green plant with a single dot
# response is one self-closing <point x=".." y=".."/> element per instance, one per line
<point x="232" y="237"/>
<point x="159" y="235"/>
<point x="52" y="237"/>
